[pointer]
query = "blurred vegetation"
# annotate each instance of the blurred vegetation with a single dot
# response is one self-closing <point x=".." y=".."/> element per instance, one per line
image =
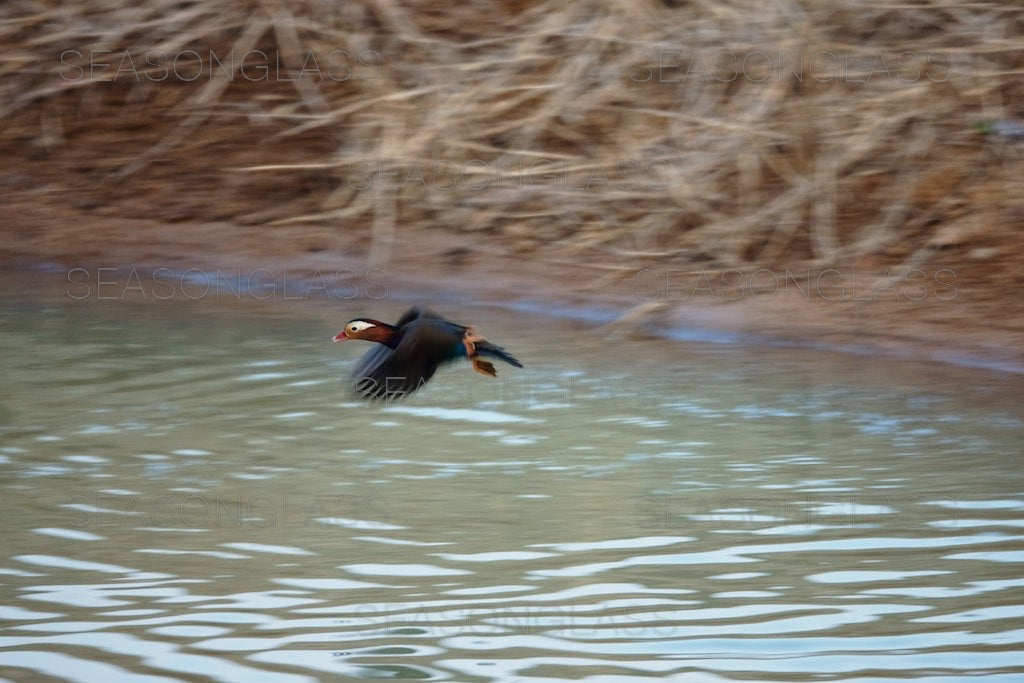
<point x="718" y="133"/>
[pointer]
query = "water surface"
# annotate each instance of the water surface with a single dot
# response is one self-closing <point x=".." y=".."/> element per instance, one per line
<point x="188" y="494"/>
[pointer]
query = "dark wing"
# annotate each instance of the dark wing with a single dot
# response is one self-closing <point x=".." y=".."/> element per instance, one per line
<point x="417" y="314"/>
<point x="427" y="341"/>
<point x="413" y="313"/>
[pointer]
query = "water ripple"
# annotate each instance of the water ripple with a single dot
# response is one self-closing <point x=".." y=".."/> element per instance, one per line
<point x="878" y="501"/>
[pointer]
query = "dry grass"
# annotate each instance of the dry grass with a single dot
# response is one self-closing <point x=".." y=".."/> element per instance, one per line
<point x="614" y="133"/>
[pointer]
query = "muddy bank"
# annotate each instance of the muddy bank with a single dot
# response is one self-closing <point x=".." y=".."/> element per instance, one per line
<point x="941" y="311"/>
<point x="576" y="159"/>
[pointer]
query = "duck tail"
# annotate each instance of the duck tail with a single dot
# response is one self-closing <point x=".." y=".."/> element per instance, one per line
<point x="485" y="348"/>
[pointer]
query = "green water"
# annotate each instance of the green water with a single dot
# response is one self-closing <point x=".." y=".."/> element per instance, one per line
<point x="188" y="494"/>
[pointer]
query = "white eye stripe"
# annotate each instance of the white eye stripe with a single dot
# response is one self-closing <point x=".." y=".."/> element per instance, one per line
<point x="359" y="326"/>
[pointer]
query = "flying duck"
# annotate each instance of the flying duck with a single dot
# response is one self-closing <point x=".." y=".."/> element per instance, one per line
<point x="408" y="353"/>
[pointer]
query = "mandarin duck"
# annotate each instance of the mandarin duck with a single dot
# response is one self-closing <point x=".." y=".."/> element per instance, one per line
<point x="408" y="353"/>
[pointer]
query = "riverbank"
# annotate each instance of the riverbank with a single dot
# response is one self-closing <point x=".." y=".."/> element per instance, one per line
<point x="940" y="311"/>
<point x="649" y="168"/>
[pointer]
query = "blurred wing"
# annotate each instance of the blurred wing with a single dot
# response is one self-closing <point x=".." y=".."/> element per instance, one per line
<point x="385" y="373"/>
<point x="417" y="315"/>
<point x="412" y="314"/>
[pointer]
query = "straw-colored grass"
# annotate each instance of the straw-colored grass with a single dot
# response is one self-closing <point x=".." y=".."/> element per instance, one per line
<point x="611" y="133"/>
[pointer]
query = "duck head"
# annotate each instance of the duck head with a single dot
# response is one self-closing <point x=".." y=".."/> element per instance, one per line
<point x="364" y="328"/>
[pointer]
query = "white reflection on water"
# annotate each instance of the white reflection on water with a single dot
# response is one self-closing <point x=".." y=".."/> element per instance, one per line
<point x="457" y="414"/>
<point x="743" y="553"/>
